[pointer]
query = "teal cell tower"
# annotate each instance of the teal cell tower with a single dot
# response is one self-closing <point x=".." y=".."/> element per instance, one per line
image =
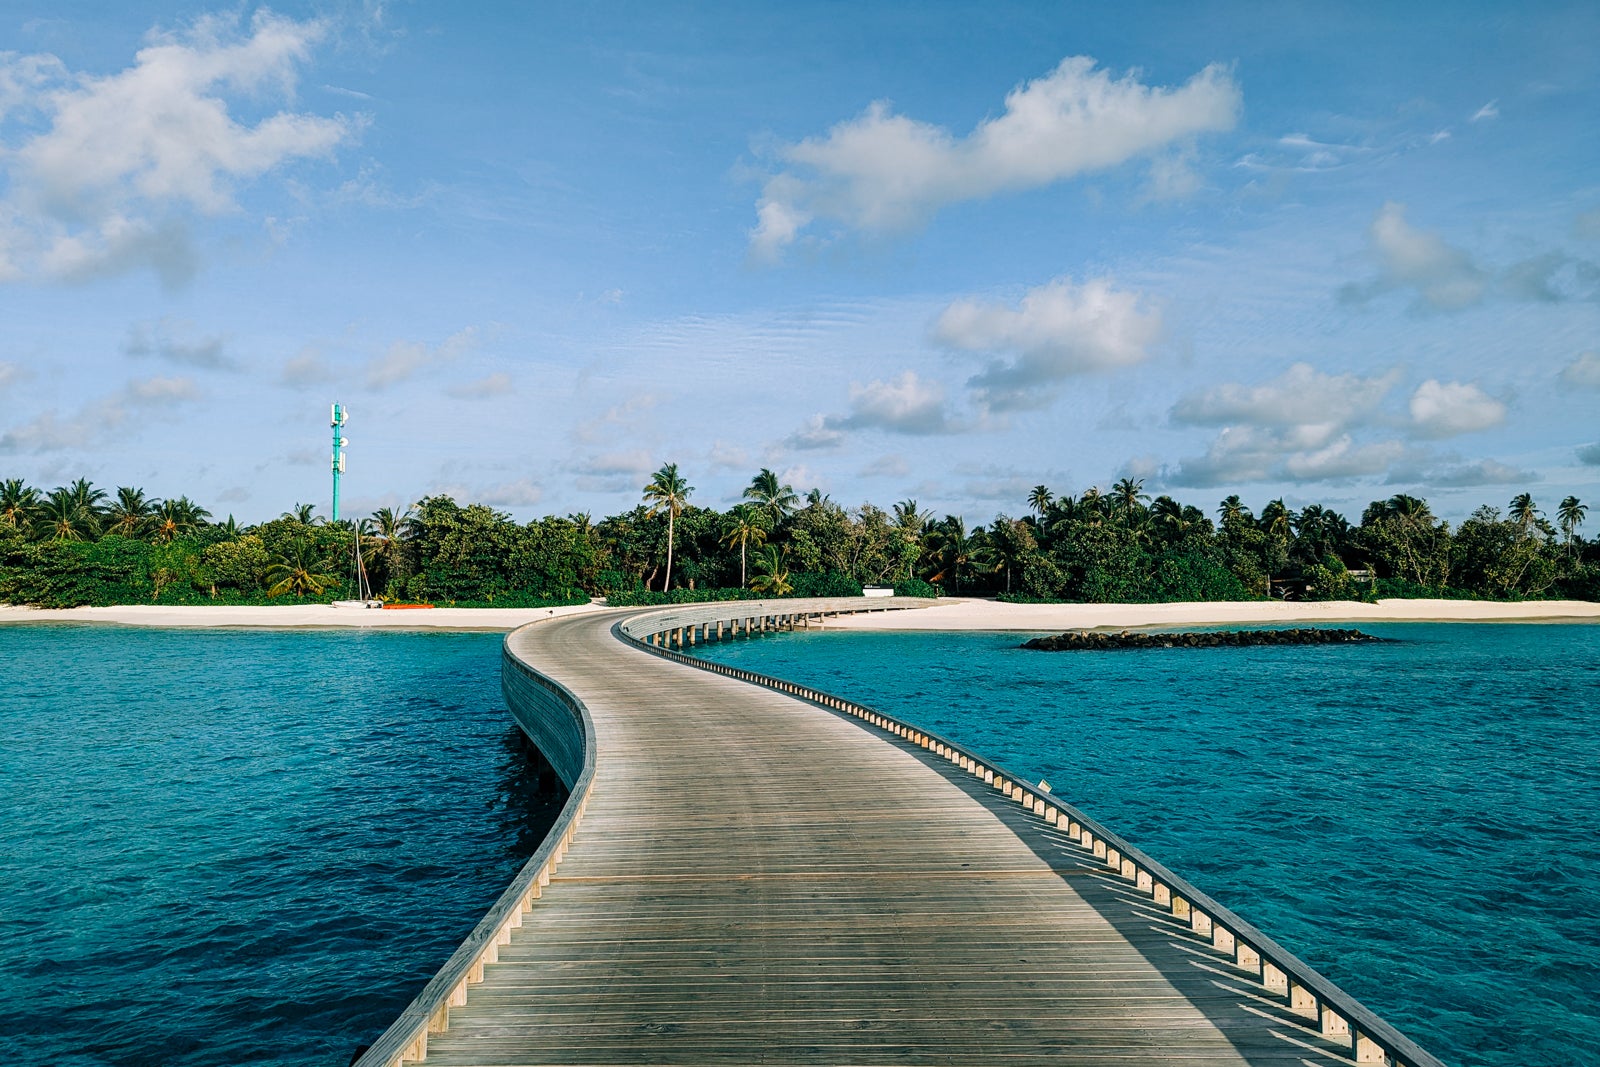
<point x="340" y="413"/>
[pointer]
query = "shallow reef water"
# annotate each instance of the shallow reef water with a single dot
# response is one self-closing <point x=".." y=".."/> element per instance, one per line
<point x="1415" y="818"/>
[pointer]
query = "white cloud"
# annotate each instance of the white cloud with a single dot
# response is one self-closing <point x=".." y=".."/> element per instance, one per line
<point x="815" y="434"/>
<point x="1445" y="409"/>
<point x="1590" y="455"/>
<point x="1300" y="396"/>
<point x="100" y="188"/>
<point x="1292" y="428"/>
<point x="1057" y="330"/>
<point x="10" y="374"/>
<point x="905" y="404"/>
<point x="497" y="384"/>
<point x="1342" y="458"/>
<point x="406" y="358"/>
<point x="1491" y="110"/>
<point x="174" y="340"/>
<point x="1443" y="278"/>
<point x="884" y="172"/>
<point x="1583" y="372"/>
<point x="1241" y="454"/>
<point x="94" y="423"/>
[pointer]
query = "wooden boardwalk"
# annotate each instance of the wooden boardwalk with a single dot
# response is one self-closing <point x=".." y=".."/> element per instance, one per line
<point x="759" y="880"/>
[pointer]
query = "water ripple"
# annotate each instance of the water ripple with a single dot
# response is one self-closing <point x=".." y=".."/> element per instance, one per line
<point x="1415" y="819"/>
<point x="228" y="847"/>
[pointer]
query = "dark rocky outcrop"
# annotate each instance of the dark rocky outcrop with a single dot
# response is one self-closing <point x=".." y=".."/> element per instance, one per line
<point x="1100" y="640"/>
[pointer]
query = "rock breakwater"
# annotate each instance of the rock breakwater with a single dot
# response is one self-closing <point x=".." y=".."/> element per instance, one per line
<point x="1100" y="640"/>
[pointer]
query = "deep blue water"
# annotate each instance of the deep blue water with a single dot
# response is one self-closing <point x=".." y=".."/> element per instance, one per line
<point x="1417" y="820"/>
<point x="222" y="847"/>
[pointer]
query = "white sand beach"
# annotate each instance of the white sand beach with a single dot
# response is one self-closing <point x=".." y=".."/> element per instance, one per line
<point x="954" y="613"/>
<point x="299" y="616"/>
<point x="965" y="614"/>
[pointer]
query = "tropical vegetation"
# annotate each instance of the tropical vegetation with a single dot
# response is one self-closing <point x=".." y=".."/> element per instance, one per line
<point x="81" y="544"/>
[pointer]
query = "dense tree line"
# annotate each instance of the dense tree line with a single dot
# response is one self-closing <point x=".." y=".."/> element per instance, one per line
<point x="78" y="544"/>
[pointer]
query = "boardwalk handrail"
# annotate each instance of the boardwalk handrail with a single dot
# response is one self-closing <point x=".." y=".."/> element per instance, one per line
<point x="407" y="1037"/>
<point x="1306" y="992"/>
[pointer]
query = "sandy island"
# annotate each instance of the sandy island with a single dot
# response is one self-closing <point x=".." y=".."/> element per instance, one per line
<point x="956" y="613"/>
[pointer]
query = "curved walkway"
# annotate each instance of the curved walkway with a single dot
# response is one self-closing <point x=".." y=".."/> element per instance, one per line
<point x="758" y="880"/>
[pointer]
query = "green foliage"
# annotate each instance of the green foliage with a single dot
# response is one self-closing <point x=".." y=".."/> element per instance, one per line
<point x="1186" y="576"/>
<point x="239" y="565"/>
<point x="829" y="583"/>
<point x="916" y="587"/>
<point x="649" y="598"/>
<point x="77" y="544"/>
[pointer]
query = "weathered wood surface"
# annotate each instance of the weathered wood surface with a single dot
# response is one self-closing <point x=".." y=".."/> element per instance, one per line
<point x="759" y="880"/>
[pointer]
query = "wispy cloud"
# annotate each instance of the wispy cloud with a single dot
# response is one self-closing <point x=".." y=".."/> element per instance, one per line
<point x="1440" y="276"/>
<point x="1583" y="372"/>
<point x="404" y="359"/>
<point x="95" y="422"/>
<point x="176" y="341"/>
<point x="884" y="172"/>
<point x="497" y="384"/>
<point x="1491" y="110"/>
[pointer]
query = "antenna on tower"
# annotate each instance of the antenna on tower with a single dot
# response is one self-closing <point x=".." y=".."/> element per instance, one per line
<point x="340" y="413"/>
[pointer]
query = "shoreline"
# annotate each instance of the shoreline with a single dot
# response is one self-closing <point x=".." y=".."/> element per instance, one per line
<point x="971" y="614"/>
<point x="290" y="617"/>
<point x="953" y="613"/>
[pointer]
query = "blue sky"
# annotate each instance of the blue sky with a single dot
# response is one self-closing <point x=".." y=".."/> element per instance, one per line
<point x="939" y="251"/>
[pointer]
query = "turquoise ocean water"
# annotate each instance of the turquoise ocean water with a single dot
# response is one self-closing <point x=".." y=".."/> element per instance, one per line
<point x="225" y="847"/>
<point x="1416" y="819"/>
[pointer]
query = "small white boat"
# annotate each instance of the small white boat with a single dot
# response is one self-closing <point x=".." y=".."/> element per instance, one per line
<point x="358" y="603"/>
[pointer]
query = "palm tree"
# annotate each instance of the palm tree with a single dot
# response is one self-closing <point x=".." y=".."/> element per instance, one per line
<point x="1092" y="505"/>
<point x="63" y="517"/>
<point x="129" y="515"/>
<point x="777" y="500"/>
<point x="1129" y="494"/>
<point x="1523" y="511"/>
<point x="1169" y="515"/>
<point x="383" y="533"/>
<point x="88" y="499"/>
<point x="772" y="572"/>
<point x="1570" y="515"/>
<point x="303" y="514"/>
<point x="174" y="518"/>
<point x="19" y="504"/>
<point x="294" y="571"/>
<point x="743" y="528"/>
<point x="955" y="553"/>
<point x="1231" y="508"/>
<point x="668" y="491"/>
<point x="1040" y="499"/>
<point x="910" y="521"/>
